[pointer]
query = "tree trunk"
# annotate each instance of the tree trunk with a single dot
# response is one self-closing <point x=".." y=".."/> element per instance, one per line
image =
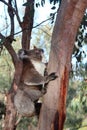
<point x="26" y="26"/>
<point x="10" y="117"/>
<point x="53" y="111"/>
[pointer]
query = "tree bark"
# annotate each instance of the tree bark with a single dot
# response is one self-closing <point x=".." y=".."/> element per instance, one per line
<point x="26" y="25"/>
<point x="53" y="111"/>
<point x="10" y="117"/>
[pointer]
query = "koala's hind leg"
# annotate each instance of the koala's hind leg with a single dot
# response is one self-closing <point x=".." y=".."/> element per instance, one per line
<point x="33" y="94"/>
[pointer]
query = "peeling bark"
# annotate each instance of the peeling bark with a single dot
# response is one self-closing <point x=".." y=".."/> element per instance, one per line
<point x="10" y="118"/>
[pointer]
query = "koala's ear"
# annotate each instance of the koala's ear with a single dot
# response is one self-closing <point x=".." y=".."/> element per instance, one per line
<point x="35" y="47"/>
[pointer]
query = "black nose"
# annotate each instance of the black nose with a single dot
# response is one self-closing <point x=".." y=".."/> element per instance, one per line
<point x="42" y="50"/>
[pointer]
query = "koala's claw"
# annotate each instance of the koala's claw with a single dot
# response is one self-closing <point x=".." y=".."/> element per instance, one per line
<point x="52" y="76"/>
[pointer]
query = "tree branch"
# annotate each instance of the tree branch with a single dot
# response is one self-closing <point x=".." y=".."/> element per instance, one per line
<point x="45" y="32"/>
<point x="8" y="46"/>
<point x="15" y="11"/>
<point x="17" y="15"/>
<point x="11" y="51"/>
<point x="27" y="24"/>
<point x="11" y="15"/>
<point x="33" y="26"/>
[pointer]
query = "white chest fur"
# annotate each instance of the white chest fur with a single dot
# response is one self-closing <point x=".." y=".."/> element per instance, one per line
<point x="39" y="66"/>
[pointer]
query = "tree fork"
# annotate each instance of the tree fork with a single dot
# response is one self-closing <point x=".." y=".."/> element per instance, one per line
<point x="26" y="26"/>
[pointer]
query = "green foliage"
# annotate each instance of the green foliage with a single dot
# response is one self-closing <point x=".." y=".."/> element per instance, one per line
<point x="6" y="70"/>
<point x="81" y="40"/>
<point x="25" y="122"/>
<point x="76" y="105"/>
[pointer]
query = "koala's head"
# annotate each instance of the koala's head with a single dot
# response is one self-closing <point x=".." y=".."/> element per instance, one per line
<point x="34" y="54"/>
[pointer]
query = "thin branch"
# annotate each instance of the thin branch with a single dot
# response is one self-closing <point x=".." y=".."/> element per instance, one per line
<point x="11" y="51"/>
<point x="11" y="15"/>
<point x="45" y="32"/>
<point x="16" y="7"/>
<point x="18" y="18"/>
<point x="33" y="26"/>
<point x="42" y="22"/>
<point x="4" y="28"/>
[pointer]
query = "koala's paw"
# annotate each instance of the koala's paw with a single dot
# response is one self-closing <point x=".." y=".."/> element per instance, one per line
<point x="52" y="76"/>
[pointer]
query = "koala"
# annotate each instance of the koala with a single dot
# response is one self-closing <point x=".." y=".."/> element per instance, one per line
<point x="31" y="82"/>
<point x="33" y="67"/>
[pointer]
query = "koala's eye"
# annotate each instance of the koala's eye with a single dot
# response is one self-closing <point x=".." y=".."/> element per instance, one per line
<point x="39" y="52"/>
<point x="36" y="51"/>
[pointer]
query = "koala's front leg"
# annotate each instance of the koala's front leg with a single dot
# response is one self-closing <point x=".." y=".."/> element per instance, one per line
<point x="38" y="79"/>
<point x="51" y="77"/>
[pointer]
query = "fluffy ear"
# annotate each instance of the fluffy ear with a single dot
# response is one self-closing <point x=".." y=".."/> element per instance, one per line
<point x="35" y="47"/>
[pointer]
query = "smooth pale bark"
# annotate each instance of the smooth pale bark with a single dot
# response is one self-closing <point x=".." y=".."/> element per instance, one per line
<point x="53" y="111"/>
